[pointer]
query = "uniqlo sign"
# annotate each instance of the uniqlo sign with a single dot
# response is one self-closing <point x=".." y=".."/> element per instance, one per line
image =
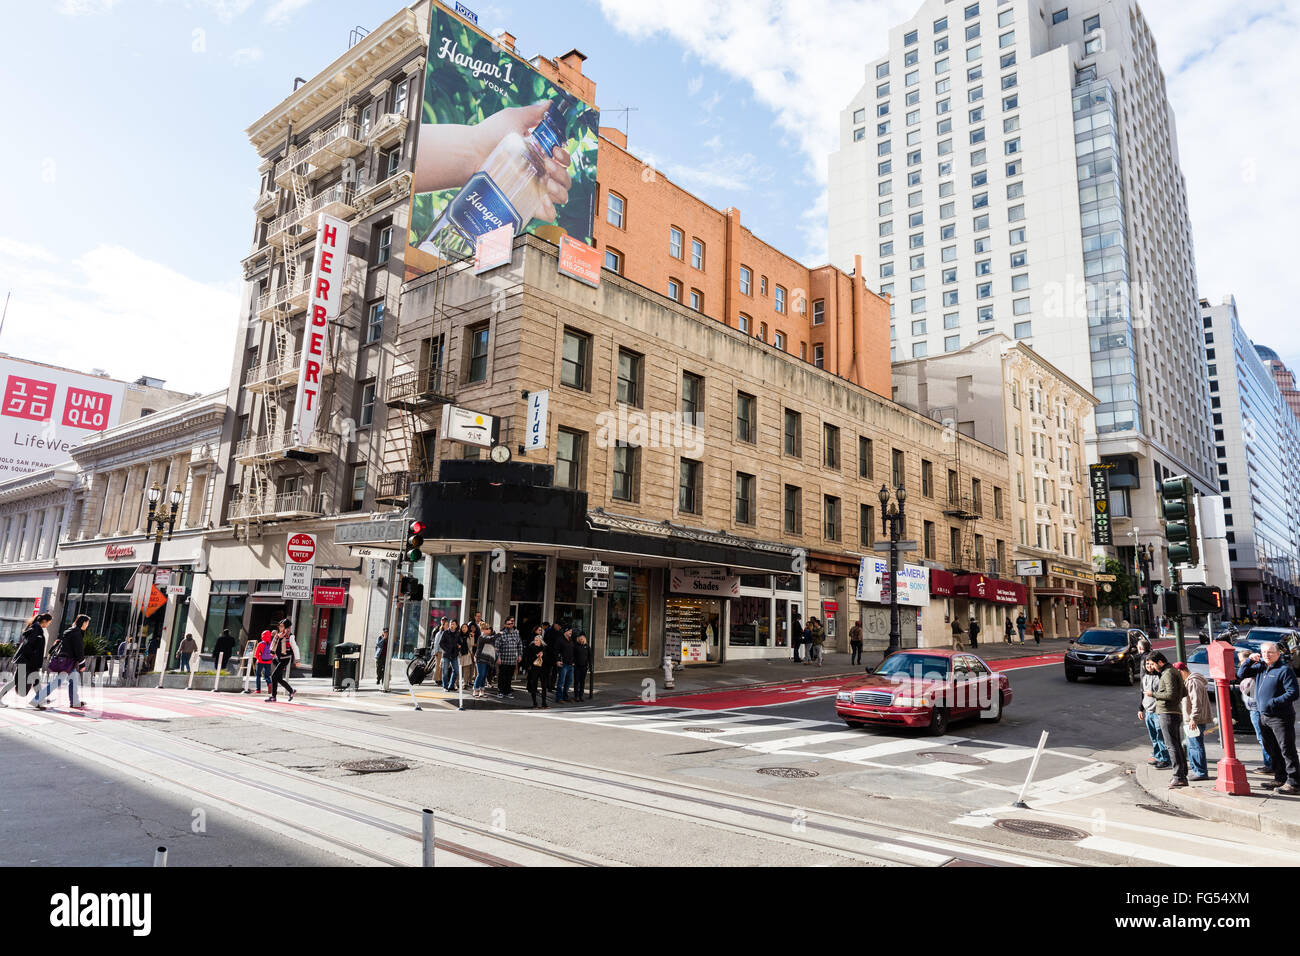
<point x="45" y="411"/>
<point x="329" y="268"/>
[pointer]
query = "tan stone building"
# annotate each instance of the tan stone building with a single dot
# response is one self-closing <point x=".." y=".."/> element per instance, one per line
<point x="689" y="458"/>
<point x="1008" y="395"/>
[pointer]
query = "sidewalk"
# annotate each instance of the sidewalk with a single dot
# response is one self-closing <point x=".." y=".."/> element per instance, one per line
<point x="1262" y="810"/>
<point x="615" y="687"/>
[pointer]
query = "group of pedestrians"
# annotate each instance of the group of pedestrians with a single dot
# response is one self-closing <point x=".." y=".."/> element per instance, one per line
<point x="1178" y="714"/>
<point x="273" y="655"/>
<point x="813" y="637"/>
<point x="63" y="664"/>
<point x="556" y="660"/>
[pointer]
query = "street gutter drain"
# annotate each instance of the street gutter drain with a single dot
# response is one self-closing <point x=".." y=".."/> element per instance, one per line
<point x="1043" y="831"/>
<point x="1166" y="810"/>
<point x="374" y="766"/>
<point x="790" y="773"/>
<point x="951" y="756"/>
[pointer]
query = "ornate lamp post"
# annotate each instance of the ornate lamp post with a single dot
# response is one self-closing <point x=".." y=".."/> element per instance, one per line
<point x="165" y="519"/>
<point x="892" y="517"/>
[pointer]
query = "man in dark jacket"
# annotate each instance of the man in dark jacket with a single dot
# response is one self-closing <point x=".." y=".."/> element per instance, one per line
<point x="452" y="647"/>
<point x="549" y="637"/>
<point x="581" y="664"/>
<point x="974" y="633"/>
<point x="1169" y="698"/>
<point x="73" y="645"/>
<point x="1275" y="694"/>
<point x="534" y="662"/>
<point x="223" y="651"/>
<point x="563" y="650"/>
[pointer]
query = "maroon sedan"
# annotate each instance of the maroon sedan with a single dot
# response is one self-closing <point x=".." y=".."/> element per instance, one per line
<point x="925" y="688"/>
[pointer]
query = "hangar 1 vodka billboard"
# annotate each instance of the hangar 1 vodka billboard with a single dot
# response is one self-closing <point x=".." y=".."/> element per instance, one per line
<point x="45" y="411"/>
<point x="498" y="145"/>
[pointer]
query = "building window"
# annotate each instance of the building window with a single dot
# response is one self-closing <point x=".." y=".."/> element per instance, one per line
<point x="867" y="525"/>
<point x="743" y="323"/>
<point x="793" y="509"/>
<point x="367" y="415"/>
<point x="898" y="467"/>
<point x="832" y="512"/>
<point x="997" y="502"/>
<point x="866" y="458"/>
<point x="745" y="511"/>
<point x="697" y="254"/>
<point x="629" y="377"/>
<point x="697" y="300"/>
<point x="478" y="353"/>
<point x="1023" y="330"/>
<point x="674" y="290"/>
<point x="692" y="399"/>
<point x="375" y="323"/>
<point x="575" y="358"/>
<point x="746" y="281"/>
<point x="399" y="96"/>
<point x="569" y="465"/>
<point x="779" y="340"/>
<point x="614" y="261"/>
<point x="614" y="210"/>
<point x="819" y="356"/>
<point x="1092" y="45"/>
<point x="746" y="418"/>
<point x="1091" y="24"/>
<point x="762" y="331"/>
<point x="831" y="446"/>
<point x="625" y="469"/>
<point x="688" y="487"/>
<point x="358" y="487"/>
<point x="384" y="245"/>
<point x="675" y="240"/>
<point x="793" y="434"/>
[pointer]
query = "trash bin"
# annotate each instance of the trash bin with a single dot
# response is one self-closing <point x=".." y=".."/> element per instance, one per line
<point x="347" y="660"/>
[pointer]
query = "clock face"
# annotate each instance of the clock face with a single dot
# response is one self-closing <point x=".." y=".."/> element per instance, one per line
<point x="500" y="454"/>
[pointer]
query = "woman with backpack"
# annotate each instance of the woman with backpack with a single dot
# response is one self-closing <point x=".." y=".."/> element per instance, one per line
<point x="28" y="657"/>
<point x="283" y="644"/>
<point x="65" y="663"/>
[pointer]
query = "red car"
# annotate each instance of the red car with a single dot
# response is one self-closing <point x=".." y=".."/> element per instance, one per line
<point x="925" y="688"/>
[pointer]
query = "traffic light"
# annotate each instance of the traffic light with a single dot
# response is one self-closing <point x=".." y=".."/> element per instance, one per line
<point x="414" y="541"/>
<point x="416" y="594"/>
<point x="1179" y="511"/>
<point x="1203" y="600"/>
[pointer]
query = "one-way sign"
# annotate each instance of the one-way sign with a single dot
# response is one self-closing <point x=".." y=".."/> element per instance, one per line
<point x="902" y="546"/>
<point x="597" y="584"/>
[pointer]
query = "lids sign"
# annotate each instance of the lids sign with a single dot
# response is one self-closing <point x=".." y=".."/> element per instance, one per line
<point x="302" y="548"/>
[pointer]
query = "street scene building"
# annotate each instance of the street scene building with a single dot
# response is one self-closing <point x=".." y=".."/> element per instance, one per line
<point x="1005" y="394"/>
<point x="1257" y="443"/>
<point x="1013" y="167"/>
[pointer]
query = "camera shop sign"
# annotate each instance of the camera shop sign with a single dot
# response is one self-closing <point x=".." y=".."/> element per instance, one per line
<point x="711" y="582"/>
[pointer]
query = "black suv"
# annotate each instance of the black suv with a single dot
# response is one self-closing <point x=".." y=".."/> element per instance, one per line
<point x="1105" y="652"/>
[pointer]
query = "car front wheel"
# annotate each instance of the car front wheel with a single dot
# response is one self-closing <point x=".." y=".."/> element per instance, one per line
<point x="1071" y="676"/>
<point x="939" y="721"/>
<point x="996" y="716"/>
<point x="1134" y="678"/>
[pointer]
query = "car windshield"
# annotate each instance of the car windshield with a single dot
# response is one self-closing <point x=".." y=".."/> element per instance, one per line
<point x="1113" y="638"/>
<point x="1199" y="656"/>
<point x="925" y="666"/>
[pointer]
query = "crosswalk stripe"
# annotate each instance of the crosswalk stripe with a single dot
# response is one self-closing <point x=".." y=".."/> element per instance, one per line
<point x="891" y="747"/>
<point x="791" y="743"/>
<point x="1150" y="853"/>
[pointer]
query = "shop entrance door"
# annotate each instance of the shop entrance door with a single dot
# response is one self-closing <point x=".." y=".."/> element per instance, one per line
<point x="527" y="615"/>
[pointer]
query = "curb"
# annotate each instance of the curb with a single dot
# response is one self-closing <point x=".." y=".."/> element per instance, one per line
<point x="1209" y="804"/>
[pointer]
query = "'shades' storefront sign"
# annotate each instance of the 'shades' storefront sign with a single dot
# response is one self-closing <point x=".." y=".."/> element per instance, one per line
<point x="873" y="583"/>
<point x="329" y="268"/>
<point x="709" y="582"/>
<point x="45" y="411"/>
<point x="499" y="146"/>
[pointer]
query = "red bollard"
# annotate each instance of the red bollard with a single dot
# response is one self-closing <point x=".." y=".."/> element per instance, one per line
<point x="1231" y="776"/>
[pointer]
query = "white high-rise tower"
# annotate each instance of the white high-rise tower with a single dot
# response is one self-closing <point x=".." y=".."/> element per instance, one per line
<point x="1012" y="166"/>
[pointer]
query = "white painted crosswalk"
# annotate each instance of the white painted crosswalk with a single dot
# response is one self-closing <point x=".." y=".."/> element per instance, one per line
<point x="995" y="770"/>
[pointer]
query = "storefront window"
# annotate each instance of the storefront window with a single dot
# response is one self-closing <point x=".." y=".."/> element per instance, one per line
<point x="751" y="620"/>
<point x="572" y="599"/>
<point x="446" y="589"/>
<point x="627" y="631"/>
<point x="695" y="619"/>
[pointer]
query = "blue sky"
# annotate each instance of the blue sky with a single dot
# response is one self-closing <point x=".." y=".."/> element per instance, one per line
<point x="126" y="206"/>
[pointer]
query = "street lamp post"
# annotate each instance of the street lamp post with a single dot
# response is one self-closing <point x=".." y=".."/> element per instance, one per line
<point x="160" y="520"/>
<point x="891" y="523"/>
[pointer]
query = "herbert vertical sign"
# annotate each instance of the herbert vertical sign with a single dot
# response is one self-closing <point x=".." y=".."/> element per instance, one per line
<point x="1099" y="475"/>
<point x="329" y="266"/>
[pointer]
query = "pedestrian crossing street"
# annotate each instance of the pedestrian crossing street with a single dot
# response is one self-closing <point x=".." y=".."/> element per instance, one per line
<point x="996" y="769"/>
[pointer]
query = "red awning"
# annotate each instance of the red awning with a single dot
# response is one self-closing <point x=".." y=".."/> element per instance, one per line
<point x="980" y="587"/>
<point x="941" y="583"/>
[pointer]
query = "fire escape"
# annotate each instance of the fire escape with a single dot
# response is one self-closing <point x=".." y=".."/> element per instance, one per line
<point x="274" y="380"/>
<point x="965" y="504"/>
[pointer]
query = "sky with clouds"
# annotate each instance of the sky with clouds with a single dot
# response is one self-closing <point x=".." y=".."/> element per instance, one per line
<point x="125" y="211"/>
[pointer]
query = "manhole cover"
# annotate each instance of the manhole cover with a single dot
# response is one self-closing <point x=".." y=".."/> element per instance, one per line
<point x="374" y="766"/>
<point x="1043" y="831"/>
<point x="952" y="756"/>
<point x="790" y="773"/>
<point x="703" y="730"/>
<point x="1167" y="810"/>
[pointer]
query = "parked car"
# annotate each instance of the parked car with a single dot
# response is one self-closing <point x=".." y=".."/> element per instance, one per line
<point x="1104" y="652"/>
<point x="925" y="688"/>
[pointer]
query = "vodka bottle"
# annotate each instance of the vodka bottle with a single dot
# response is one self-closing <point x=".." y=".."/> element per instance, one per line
<point x="510" y="189"/>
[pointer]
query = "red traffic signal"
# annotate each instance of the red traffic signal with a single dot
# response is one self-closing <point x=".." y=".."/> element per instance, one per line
<point x="414" y="541"/>
<point x="417" y="527"/>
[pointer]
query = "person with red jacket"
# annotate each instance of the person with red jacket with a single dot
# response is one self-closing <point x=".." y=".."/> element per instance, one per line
<point x="264" y="658"/>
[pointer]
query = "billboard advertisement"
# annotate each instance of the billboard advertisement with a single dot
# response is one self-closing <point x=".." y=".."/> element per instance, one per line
<point x="46" y="411"/>
<point x="913" y="583"/>
<point x="498" y="145"/>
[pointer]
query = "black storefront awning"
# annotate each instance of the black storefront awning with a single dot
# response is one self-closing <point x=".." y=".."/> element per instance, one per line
<point x="531" y="515"/>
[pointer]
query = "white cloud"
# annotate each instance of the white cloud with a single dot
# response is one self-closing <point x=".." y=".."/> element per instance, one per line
<point x="282" y="11"/>
<point x="1230" y="70"/>
<point x="248" y="54"/>
<point x="695" y="84"/>
<point x="81" y="8"/>
<point x="110" y="308"/>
